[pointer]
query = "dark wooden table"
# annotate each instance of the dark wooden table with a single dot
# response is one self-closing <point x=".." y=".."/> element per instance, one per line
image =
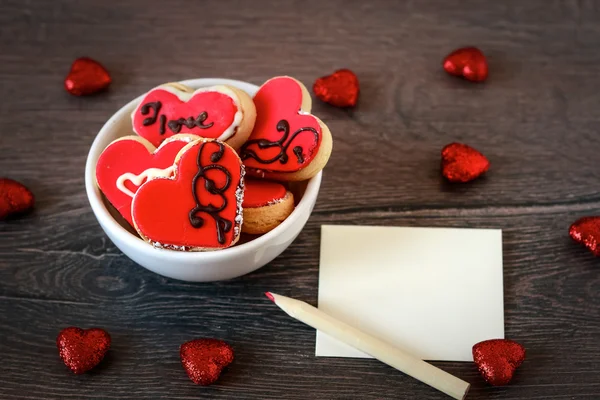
<point x="537" y="119"/>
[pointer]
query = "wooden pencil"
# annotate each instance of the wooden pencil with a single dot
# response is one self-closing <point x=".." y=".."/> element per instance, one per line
<point x="377" y="348"/>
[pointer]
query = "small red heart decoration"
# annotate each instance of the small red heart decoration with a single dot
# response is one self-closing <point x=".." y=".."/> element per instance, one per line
<point x="204" y="359"/>
<point x="87" y="76"/>
<point x="15" y="198"/>
<point x="81" y="350"/>
<point x="586" y="231"/>
<point x="468" y="62"/>
<point x="339" y="89"/>
<point x="462" y="163"/>
<point x="497" y="360"/>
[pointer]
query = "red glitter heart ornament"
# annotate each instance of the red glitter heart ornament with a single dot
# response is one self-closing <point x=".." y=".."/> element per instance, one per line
<point x="15" y="198"/>
<point x="81" y="350"/>
<point x="462" y="163"/>
<point x="339" y="89"/>
<point x="87" y="76"/>
<point x="204" y="359"/>
<point x="467" y="62"/>
<point x="586" y="231"/>
<point x="497" y="360"/>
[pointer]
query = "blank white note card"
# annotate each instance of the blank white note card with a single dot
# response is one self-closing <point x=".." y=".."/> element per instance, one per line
<point x="433" y="292"/>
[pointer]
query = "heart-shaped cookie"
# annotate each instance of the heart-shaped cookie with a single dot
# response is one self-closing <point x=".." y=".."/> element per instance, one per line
<point x="497" y="360"/>
<point x="87" y="76"/>
<point x="200" y="207"/>
<point x="339" y="89"/>
<point x="266" y="205"/>
<point x="81" y="350"/>
<point x="467" y="62"/>
<point x="586" y="231"/>
<point x="217" y="112"/>
<point x="462" y="163"/>
<point x="287" y="142"/>
<point x="130" y="161"/>
<point x="204" y="359"/>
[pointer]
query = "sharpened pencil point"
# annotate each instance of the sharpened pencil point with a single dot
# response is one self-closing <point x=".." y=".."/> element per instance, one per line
<point x="270" y="296"/>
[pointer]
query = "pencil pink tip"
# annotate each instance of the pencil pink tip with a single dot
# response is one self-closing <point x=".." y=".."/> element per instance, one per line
<point x="270" y="296"/>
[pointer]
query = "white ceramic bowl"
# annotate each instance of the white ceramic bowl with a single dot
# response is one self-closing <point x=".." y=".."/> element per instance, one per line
<point x="191" y="266"/>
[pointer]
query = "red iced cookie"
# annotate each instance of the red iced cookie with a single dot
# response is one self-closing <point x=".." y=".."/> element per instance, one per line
<point x="259" y="193"/>
<point x="216" y="112"/>
<point x="130" y="161"/>
<point x="266" y="205"/>
<point x="287" y="142"/>
<point x="200" y="207"/>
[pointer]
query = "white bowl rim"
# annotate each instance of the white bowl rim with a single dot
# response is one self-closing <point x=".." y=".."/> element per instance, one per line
<point x="101" y="212"/>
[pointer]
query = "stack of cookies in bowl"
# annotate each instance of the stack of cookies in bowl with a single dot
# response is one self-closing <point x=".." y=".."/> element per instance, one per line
<point x="201" y="167"/>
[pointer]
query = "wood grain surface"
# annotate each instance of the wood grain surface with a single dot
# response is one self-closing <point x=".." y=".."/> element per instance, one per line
<point x="537" y="119"/>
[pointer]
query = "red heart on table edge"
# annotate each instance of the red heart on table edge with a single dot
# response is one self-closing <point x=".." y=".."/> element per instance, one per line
<point x="214" y="113"/>
<point x="87" y="76"/>
<point x="339" y="89"/>
<point x="81" y="350"/>
<point x="204" y="359"/>
<point x="462" y="163"/>
<point x="287" y="142"/>
<point x="586" y="231"/>
<point x="467" y="62"/>
<point x="15" y="198"/>
<point x="130" y="161"/>
<point x="497" y="360"/>
<point x="200" y="207"/>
